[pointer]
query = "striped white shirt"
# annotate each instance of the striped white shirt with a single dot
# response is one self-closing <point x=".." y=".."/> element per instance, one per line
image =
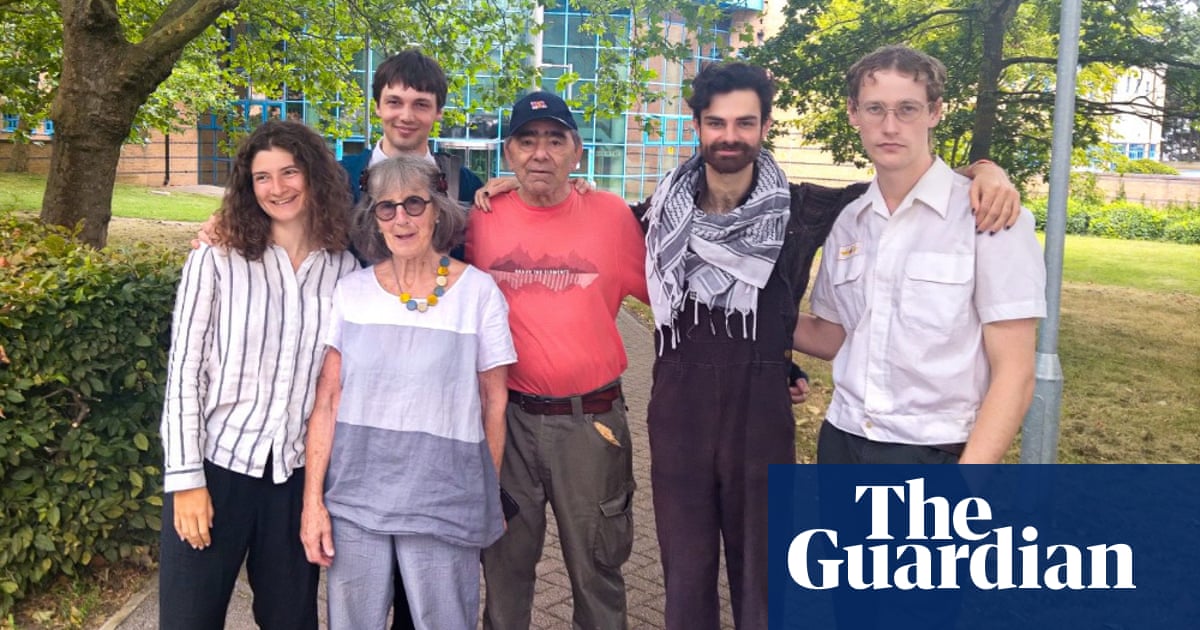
<point x="245" y="354"/>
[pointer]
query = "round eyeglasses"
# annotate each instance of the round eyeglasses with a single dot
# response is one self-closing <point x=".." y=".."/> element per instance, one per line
<point x="905" y="112"/>
<point x="414" y="206"/>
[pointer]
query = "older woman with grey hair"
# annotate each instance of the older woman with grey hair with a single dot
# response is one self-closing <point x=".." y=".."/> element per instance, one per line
<point x="405" y="442"/>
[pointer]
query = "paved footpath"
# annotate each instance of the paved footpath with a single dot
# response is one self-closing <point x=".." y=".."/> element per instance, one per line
<point x="552" y="600"/>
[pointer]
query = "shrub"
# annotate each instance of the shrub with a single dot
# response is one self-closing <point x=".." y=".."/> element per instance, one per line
<point x="86" y="335"/>
<point x="1129" y="221"/>
<point x="1145" y="167"/>
<point x="1125" y="219"/>
<point x="1079" y="214"/>
<point x="1185" y="230"/>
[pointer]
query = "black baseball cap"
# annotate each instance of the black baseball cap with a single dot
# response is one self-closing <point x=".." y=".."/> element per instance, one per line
<point x="540" y="106"/>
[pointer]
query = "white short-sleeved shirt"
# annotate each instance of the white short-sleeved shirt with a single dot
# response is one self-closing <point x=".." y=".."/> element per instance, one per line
<point x="409" y="452"/>
<point x="913" y="290"/>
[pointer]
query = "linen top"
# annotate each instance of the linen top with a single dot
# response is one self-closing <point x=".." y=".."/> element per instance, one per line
<point x="409" y="452"/>
<point x="246" y="350"/>
<point x="913" y="290"/>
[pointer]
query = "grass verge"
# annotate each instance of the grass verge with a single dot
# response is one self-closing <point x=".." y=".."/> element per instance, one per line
<point x="1129" y="345"/>
<point x="23" y="193"/>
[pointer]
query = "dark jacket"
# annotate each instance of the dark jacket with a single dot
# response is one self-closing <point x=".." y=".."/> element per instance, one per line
<point x="466" y="181"/>
<point x="813" y="212"/>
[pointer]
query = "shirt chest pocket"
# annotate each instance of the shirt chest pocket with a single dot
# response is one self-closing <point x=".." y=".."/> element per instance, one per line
<point x="937" y="290"/>
<point x="849" y="290"/>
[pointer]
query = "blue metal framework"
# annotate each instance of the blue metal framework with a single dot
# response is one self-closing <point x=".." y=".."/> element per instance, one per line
<point x="12" y="120"/>
<point x="620" y="155"/>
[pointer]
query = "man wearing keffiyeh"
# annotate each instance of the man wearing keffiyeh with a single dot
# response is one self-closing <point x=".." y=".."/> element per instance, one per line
<point x="729" y="248"/>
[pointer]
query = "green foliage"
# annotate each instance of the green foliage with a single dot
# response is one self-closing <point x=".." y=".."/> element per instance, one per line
<point x="1085" y="188"/>
<point x="1000" y="91"/>
<point x="86" y="335"/>
<point x="1125" y="220"/>
<point x="30" y="54"/>
<point x="312" y="46"/>
<point x="1145" y="167"/>
<point x="162" y="63"/>
<point x="1186" y="230"/>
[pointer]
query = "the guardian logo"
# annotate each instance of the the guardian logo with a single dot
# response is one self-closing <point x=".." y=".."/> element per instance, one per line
<point x="988" y="558"/>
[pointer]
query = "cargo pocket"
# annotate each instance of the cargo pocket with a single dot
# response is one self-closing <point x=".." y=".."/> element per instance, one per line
<point x="614" y="531"/>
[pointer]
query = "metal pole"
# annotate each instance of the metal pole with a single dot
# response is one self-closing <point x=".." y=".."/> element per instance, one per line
<point x="539" y="20"/>
<point x="1039" y="438"/>
<point x="368" y="95"/>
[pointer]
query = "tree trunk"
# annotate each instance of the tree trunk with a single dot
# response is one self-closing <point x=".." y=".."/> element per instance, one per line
<point x="998" y="14"/>
<point x="83" y="166"/>
<point x="105" y="80"/>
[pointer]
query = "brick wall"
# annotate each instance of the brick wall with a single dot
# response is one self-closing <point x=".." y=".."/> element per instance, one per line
<point x="144" y="164"/>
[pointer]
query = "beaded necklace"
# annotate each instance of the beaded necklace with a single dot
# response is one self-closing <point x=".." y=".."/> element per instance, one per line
<point x="422" y="305"/>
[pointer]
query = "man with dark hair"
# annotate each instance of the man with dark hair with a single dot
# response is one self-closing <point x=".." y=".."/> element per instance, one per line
<point x="410" y="89"/>
<point x="729" y="248"/>
<point x="564" y="261"/>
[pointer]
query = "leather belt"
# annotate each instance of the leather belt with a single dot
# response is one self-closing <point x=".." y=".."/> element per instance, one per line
<point x="598" y="401"/>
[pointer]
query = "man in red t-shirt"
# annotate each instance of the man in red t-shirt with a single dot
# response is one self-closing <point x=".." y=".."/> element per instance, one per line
<point x="564" y="263"/>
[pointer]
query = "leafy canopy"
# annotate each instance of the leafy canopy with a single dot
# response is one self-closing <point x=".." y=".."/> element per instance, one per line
<point x="1000" y="55"/>
<point x="315" y="47"/>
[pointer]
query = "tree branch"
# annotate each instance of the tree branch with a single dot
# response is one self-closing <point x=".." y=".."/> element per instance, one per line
<point x="180" y="23"/>
<point x="1113" y="59"/>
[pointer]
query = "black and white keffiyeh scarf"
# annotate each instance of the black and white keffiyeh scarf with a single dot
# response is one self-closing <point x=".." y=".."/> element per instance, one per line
<point x="721" y="260"/>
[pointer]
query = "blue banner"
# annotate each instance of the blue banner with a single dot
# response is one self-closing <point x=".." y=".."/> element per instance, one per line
<point x="1060" y="547"/>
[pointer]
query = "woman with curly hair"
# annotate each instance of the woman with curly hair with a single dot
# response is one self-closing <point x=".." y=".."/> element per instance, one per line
<point x="246" y="350"/>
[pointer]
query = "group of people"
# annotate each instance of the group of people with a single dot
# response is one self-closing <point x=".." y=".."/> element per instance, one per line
<point x="365" y="420"/>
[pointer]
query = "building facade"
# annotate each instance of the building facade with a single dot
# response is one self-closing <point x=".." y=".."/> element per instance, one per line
<point x="624" y="152"/>
<point x="1137" y="137"/>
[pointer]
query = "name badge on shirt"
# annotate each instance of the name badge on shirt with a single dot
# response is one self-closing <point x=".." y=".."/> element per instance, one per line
<point x="847" y="251"/>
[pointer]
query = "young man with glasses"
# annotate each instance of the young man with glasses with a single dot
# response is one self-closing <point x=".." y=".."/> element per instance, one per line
<point x="931" y="326"/>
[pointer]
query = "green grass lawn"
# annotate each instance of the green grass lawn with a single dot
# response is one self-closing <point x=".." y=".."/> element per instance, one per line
<point x="23" y="193"/>
<point x="1145" y="265"/>
<point x="1129" y="344"/>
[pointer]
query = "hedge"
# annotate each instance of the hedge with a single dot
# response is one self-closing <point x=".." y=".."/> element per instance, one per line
<point x="86" y="334"/>
<point x="1128" y="220"/>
